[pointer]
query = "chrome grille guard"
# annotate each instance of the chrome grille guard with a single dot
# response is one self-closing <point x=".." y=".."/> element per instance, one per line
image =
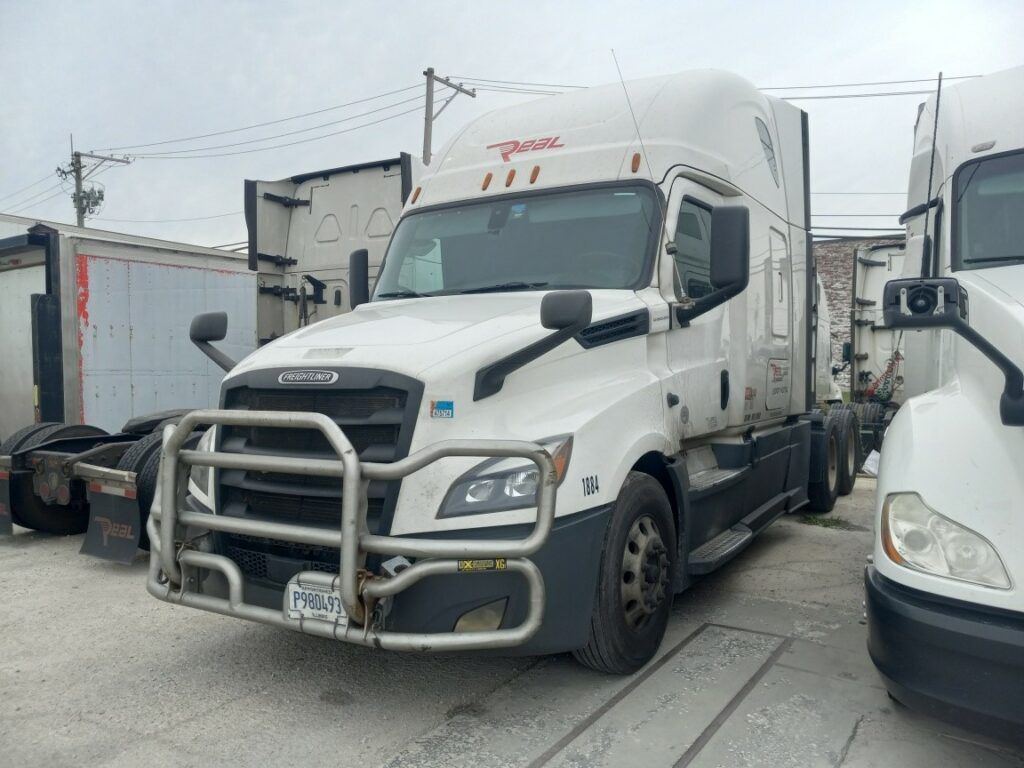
<point x="173" y="566"/>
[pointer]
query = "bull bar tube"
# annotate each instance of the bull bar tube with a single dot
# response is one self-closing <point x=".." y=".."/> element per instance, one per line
<point x="172" y="563"/>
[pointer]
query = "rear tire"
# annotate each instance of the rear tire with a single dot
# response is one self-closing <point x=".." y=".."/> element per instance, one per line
<point x="14" y="441"/>
<point x="634" y="593"/>
<point x="823" y="493"/>
<point x="60" y="520"/>
<point x="143" y="458"/>
<point x="850" y="456"/>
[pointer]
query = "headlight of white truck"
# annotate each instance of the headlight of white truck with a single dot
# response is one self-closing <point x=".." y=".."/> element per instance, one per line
<point x="199" y="477"/>
<point x="501" y="484"/>
<point x="916" y="536"/>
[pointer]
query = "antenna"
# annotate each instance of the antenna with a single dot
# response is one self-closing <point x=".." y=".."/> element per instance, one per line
<point x="643" y="151"/>
<point x="926" y="250"/>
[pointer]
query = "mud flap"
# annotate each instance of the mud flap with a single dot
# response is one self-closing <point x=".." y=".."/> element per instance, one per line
<point x="115" y="528"/>
<point x="6" y="524"/>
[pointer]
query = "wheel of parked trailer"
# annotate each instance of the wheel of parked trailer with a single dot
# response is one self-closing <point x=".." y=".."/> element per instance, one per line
<point x="634" y="594"/>
<point x="58" y="519"/>
<point x="13" y="443"/>
<point x="850" y="456"/>
<point x="823" y="493"/>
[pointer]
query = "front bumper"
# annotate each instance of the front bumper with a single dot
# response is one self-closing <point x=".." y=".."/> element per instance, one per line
<point x="179" y="566"/>
<point x="952" y="660"/>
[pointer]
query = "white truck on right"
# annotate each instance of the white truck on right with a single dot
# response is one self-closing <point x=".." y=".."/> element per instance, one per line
<point x="944" y="594"/>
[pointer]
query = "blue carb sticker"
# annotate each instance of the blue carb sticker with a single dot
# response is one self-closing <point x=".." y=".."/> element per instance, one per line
<point x="442" y="409"/>
<point x="518" y="210"/>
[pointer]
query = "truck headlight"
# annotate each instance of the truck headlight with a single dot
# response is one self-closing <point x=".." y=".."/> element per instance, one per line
<point x="916" y="536"/>
<point x="199" y="477"/>
<point x="501" y="484"/>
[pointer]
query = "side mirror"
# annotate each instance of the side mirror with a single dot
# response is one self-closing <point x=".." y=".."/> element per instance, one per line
<point x="207" y="327"/>
<point x="560" y="310"/>
<point x="730" y="261"/>
<point x="358" y="278"/>
<point x="940" y="302"/>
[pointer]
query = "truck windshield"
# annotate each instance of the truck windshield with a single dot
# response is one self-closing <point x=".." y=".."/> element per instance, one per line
<point x="586" y="238"/>
<point x="989" y="213"/>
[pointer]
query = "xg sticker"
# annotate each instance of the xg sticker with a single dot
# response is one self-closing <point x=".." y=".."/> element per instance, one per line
<point x="590" y="486"/>
<point x="495" y="564"/>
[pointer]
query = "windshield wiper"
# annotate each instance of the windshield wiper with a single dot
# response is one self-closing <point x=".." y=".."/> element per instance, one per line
<point x="401" y="295"/>
<point x="500" y="287"/>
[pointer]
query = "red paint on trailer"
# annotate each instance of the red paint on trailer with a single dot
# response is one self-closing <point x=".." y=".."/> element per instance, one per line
<point x="82" y="303"/>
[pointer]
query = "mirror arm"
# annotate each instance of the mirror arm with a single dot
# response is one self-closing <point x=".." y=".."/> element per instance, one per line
<point x="215" y="354"/>
<point x="1011" y="404"/>
<point x="686" y="313"/>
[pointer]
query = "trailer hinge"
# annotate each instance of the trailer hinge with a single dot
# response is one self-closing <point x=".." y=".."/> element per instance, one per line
<point x="872" y="262"/>
<point x="865" y="302"/>
<point x="863" y="322"/>
<point x="286" y="294"/>
<point x="278" y="261"/>
<point x="861" y="356"/>
<point x="287" y="202"/>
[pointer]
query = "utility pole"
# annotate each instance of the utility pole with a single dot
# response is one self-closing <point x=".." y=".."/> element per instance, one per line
<point x="86" y="201"/>
<point x="429" y="115"/>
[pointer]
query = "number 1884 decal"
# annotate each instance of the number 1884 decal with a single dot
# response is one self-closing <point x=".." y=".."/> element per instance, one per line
<point x="590" y="486"/>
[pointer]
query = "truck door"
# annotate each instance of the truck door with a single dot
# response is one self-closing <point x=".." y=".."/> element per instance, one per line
<point x="779" y="383"/>
<point x="696" y="353"/>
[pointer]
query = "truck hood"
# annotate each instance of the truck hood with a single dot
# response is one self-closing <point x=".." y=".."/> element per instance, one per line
<point x="411" y="335"/>
<point x="1007" y="281"/>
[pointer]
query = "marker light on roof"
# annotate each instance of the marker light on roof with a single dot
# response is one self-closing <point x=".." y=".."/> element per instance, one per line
<point x="508" y="179"/>
<point x="487" y="181"/>
<point x="416" y="194"/>
<point x="534" y="173"/>
<point x="636" y="162"/>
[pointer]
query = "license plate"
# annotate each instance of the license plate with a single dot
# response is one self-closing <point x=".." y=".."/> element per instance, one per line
<point x="312" y="601"/>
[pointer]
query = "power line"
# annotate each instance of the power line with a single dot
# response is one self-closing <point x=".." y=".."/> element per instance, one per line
<point x="169" y="221"/>
<point x="287" y="144"/>
<point x="856" y="95"/>
<point x="262" y="125"/>
<point x="859" y="85"/>
<point x="513" y="82"/>
<point x="34" y="183"/>
<point x="517" y="90"/>
<point x="31" y="198"/>
<point x="858" y="193"/>
<point x="282" y="135"/>
<point x="38" y="202"/>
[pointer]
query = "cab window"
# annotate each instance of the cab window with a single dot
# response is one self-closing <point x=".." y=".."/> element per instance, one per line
<point x="693" y="250"/>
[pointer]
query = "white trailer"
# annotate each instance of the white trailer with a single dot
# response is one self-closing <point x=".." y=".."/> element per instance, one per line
<point x="945" y="589"/>
<point x="585" y="378"/>
<point x="95" y="324"/>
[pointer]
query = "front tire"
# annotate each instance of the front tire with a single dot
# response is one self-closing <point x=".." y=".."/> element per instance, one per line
<point x="823" y="493"/>
<point x="634" y="594"/>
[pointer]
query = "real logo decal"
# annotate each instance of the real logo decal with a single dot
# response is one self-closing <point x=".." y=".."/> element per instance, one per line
<point x="442" y="409"/>
<point x="513" y="146"/>
<point x="111" y="529"/>
<point x="308" y="377"/>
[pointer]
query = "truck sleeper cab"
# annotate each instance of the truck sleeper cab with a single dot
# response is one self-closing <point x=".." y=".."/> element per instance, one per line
<point x="584" y="378"/>
<point x="944" y="596"/>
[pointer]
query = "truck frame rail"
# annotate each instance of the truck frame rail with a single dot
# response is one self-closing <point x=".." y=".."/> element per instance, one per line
<point x="174" y="563"/>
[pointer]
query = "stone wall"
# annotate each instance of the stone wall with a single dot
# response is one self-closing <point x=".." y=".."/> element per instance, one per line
<point x="835" y="267"/>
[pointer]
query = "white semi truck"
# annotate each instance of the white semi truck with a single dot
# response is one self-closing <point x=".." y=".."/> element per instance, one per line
<point x="945" y="590"/>
<point x="584" y="377"/>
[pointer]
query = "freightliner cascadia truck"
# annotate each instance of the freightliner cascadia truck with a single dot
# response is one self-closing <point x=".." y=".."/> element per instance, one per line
<point x="583" y="378"/>
<point x="945" y="589"/>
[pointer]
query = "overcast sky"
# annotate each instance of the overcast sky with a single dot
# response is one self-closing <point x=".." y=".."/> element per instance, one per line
<point x="140" y="71"/>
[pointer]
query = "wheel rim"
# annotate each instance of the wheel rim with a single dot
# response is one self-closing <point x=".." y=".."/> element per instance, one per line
<point x="645" y="573"/>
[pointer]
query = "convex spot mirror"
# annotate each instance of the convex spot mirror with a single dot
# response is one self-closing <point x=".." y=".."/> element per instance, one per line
<point x="730" y="261"/>
<point x="209" y="326"/>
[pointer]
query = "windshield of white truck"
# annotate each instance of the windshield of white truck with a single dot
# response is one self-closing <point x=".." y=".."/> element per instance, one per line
<point x="586" y="238"/>
<point x="988" y="224"/>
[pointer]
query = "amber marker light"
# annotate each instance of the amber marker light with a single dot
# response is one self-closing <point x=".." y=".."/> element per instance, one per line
<point x="508" y="179"/>
<point x="416" y="195"/>
<point x="487" y="181"/>
<point x="636" y="162"/>
<point x="534" y="173"/>
<point x="887" y="542"/>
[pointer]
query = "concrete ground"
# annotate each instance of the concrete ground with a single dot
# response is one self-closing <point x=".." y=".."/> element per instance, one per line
<point x="764" y="665"/>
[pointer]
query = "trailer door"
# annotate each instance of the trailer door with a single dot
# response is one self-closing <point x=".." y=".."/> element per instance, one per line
<point x="21" y="275"/>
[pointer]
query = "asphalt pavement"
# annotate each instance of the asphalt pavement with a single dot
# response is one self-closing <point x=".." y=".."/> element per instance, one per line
<point x="764" y="664"/>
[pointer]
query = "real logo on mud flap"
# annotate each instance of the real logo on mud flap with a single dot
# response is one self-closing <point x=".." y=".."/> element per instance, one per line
<point x="442" y="409"/>
<point x="515" y="146"/>
<point x="111" y="529"/>
<point x="308" y="377"/>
